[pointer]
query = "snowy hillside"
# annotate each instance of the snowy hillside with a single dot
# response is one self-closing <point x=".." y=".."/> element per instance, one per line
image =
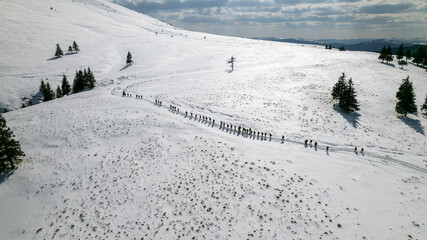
<point x="101" y="166"/>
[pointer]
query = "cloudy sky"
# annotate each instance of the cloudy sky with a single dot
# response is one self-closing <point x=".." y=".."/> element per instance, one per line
<point x="310" y="19"/>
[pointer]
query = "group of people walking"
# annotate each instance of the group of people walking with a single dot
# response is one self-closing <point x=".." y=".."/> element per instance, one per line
<point x="130" y="95"/>
<point x="158" y="103"/>
<point x="239" y="130"/>
<point x="203" y="119"/>
<point x="245" y="132"/>
<point x="173" y="109"/>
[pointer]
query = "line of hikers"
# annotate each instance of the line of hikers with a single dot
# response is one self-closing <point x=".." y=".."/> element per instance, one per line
<point x="201" y="118"/>
<point x="306" y="143"/>
<point x="246" y="132"/>
<point x="158" y="103"/>
<point x="173" y="109"/>
<point x="126" y="94"/>
<point x="130" y="95"/>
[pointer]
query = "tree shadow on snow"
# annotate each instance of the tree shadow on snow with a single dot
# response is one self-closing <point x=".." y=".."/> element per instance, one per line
<point x="351" y="117"/>
<point x="123" y="68"/>
<point x="52" y="58"/>
<point x="389" y="64"/>
<point x="414" y="124"/>
<point x="6" y="176"/>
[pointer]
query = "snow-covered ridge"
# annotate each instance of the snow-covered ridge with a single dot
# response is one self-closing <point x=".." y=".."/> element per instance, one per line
<point x="101" y="166"/>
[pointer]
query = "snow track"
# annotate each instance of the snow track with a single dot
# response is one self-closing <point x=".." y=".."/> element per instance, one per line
<point x="332" y="147"/>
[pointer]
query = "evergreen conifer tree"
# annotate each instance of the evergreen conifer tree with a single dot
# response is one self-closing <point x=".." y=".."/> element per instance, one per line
<point x="42" y="87"/>
<point x="402" y="63"/>
<point x="406" y="98"/>
<point x="382" y="54"/>
<point x="59" y="93"/>
<point x="348" y="99"/>
<point x="419" y="55"/>
<point x="48" y="93"/>
<point x="85" y="78"/>
<point x="389" y="55"/>
<point x="129" y="59"/>
<point x="400" y="52"/>
<point x="78" y="84"/>
<point x="10" y="149"/>
<point x="76" y="47"/>
<point x="424" y="106"/>
<point x="339" y="87"/>
<point x="91" y="78"/>
<point x="408" y="55"/>
<point x="58" y="52"/>
<point x="65" y="86"/>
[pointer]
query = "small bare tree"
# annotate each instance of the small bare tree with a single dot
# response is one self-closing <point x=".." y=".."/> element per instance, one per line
<point x="231" y="62"/>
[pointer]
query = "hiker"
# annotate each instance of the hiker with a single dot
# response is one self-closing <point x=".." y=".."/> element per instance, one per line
<point x="270" y="136"/>
<point x="355" y="149"/>
<point x="283" y="138"/>
<point x="185" y="113"/>
<point x="315" y="145"/>
<point x="327" y="149"/>
<point x="361" y="151"/>
<point x="311" y="141"/>
<point x="305" y="142"/>
<point x="124" y="93"/>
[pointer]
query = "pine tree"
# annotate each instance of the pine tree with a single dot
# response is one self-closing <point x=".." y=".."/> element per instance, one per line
<point x="59" y="93"/>
<point x="85" y="78"/>
<point x="129" y="59"/>
<point x="389" y="55"/>
<point x="382" y="54"/>
<point x="408" y="55"/>
<point x="348" y="101"/>
<point x="424" y="106"/>
<point x="339" y="87"/>
<point x="70" y="50"/>
<point x="78" y="84"/>
<point x="65" y="87"/>
<point x="406" y="98"/>
<point x="42" y="87"/>
<point x="400" y="52"/>
<point x="91" y="78"/>
<point x="10" y="149"/>
<point x="402" y="63"/>
<point x="419" y="55"/>
<point x="48" y="93"/>
<point x="58" y="52"/>
<point x="76" y="47"/>
<point x="231" y="61"/>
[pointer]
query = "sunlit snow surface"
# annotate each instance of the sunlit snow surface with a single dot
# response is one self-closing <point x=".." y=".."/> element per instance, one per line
<point x="101" y="166"/>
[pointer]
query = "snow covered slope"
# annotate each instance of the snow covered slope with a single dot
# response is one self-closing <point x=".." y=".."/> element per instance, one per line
<point x="100" y="165"/>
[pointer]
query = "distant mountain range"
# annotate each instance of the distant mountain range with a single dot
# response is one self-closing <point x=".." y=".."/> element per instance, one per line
<point x="368" y="45"/>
